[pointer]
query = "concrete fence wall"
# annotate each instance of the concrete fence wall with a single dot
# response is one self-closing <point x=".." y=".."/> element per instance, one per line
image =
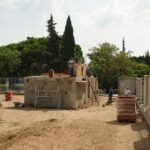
<point x="143" y="96"/>
<point x="127" y="82"/>
<point x="14" y="84"/>
<point x="140" y="90"/>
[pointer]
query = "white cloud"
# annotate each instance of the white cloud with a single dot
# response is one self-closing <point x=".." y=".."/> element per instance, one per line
<point x="57" y="7"/>
<point x="94" y="21"/>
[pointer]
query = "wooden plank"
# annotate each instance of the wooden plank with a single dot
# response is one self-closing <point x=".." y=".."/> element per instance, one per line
<point x="93" y="91"/>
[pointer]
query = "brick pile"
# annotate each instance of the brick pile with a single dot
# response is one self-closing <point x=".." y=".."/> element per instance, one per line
<point x="126" y="108"/>
<point x="8" y="95"/>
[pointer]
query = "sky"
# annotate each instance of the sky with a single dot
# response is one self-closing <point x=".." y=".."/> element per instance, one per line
<point x="94" y="21"/>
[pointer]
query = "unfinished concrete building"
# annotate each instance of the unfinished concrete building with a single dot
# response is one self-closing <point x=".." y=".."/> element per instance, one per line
<point x="60" y="91"/>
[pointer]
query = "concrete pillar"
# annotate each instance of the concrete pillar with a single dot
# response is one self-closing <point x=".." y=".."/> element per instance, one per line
<point x="146" y="90"/>
<point x="138" y="88"/>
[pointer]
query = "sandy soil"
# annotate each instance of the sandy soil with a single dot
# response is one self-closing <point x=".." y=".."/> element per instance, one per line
<point x="92" y="128"/>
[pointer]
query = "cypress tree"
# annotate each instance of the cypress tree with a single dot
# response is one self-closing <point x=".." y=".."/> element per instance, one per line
<point x="53" y="44"/>
<point x="147" y="58"/>
<point x="69" y="42"/>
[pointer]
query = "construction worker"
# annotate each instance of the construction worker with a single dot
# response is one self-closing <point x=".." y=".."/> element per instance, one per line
<point x="127" y="92"/>
<point x="71" y="66"/>
<point x="110" y="94"/>
<point x="89" y="71"/>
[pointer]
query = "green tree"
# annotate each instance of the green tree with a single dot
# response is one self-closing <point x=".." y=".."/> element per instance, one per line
<point x="9" y="63"/>
<point x="109" y="64"/>
<point x="78" y="55"/>
<point x="31" y="57"/>
<point x="125" y="66"/>
<point x="141" y="69"/>
<point x="69" y="42"/>
<point x="34" y="50"/>
<point x="54" y="45"/>
<point x="32" y="53"/>
<point x="147" y="58"/>
<point x="142" y="59"/>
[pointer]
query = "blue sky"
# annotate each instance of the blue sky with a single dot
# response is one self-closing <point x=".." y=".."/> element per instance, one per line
<point x="94" y="21"/>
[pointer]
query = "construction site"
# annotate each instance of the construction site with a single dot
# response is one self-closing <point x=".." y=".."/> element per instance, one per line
<point x="66" y="112"/>
<point x="74" y="77"/>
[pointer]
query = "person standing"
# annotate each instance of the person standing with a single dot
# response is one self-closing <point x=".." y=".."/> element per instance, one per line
<point x="89" y="71"/>
<point x="71" y="66"/>
<point x="127" y="92"/>
<point x="110" y="94"/>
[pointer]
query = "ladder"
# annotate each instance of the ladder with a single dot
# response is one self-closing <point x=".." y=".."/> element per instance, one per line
<point x="94" y="93"/>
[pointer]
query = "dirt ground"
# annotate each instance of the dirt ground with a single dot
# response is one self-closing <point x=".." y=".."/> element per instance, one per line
<point x="92" y="128"/>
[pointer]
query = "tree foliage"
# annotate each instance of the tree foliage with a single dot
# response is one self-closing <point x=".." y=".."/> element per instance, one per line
<point x="141" y="69"/>
<point x="78" y="55"/>
<point x="54" y="46"/>
<point x="27" y="57"/>
<point x="108" y="63"/>
<point x="143" y="59"/>
<point x="69" y="42"/>
<point x="9" y="62"/>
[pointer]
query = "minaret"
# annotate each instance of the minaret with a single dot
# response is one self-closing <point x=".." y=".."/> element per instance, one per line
<point x="123" y="45"/>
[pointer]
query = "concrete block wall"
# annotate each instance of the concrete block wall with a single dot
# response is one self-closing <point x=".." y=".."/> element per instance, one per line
<point x="146" y="86"/>
<point x="81" y="94"/>
<point x="64" y="92"/>
<point x="143" y="96"/>
<point x="127" y="82"/>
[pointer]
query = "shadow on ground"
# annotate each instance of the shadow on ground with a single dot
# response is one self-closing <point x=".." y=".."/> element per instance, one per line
<point x="143" y="144"/>
<point x="141" y="127"/>
<point x="33" y="109"/>
<point x="38" y="109"/>
<point x="115" y="122"/>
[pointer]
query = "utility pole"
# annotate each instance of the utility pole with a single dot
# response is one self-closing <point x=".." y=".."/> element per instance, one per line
<point x="123" y="45"/>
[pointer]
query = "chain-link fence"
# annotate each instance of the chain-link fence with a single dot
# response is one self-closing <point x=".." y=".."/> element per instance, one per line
<point x="14" y="84"/>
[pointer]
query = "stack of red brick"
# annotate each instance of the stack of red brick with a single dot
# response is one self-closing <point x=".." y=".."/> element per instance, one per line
<point x="8" y="95"/>
<point x="126" y="108"/>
